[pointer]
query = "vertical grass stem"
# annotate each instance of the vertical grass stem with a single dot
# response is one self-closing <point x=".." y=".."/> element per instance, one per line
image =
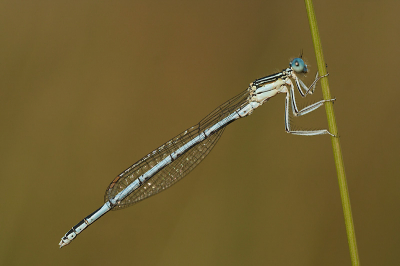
<point x="344" y="193"/>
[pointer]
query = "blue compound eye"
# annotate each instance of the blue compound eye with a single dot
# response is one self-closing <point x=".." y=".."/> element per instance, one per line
<point x="298" y="65"/>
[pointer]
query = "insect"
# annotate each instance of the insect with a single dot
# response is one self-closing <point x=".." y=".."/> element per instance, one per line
<point x="173" y="160"/>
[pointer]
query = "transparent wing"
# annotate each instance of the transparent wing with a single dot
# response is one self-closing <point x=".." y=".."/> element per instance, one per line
<point x="179" y="168"/>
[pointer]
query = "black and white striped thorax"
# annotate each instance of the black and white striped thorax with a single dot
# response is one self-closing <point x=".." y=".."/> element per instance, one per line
<point x="271" y="82"/>
<point x="271" y="78"/>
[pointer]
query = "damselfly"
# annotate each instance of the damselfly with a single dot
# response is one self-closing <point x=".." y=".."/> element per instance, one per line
<point x="173" y="160"/>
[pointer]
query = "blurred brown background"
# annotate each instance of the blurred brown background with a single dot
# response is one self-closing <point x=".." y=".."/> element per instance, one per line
<point x="89" y="87"/>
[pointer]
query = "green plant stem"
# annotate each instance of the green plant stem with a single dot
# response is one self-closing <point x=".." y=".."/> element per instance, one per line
<point x="344" y="193"/>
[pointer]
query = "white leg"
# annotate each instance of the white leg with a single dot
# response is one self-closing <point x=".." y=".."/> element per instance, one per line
<point x="313" y="107"/>
<point x="306" y="109"/>
<point x="308" y="90"/>
<point x="310" y="108"/>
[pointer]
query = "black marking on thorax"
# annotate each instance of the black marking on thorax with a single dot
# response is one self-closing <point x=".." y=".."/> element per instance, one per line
<point x="271" y="78"/>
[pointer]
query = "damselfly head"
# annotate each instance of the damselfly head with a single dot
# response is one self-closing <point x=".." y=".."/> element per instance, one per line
<point x="298" y="65"/>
